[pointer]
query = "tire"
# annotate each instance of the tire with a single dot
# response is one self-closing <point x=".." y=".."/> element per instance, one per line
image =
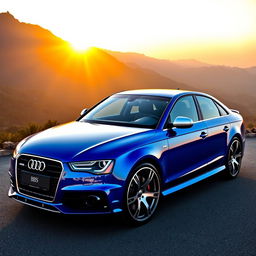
<point x="142" y="194"/>
<point x="234" y="159"/>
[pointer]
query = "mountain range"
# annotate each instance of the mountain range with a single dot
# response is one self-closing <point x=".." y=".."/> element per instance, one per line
<point x="42" y="77"/>
<point x="236" y="87"/>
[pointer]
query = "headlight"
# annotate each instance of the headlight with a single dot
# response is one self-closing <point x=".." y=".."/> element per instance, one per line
<point x="96" y="167"/>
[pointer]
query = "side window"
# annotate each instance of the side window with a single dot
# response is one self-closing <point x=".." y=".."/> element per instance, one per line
<point x="184" y="107"/>
<point x="223" y="112"/>
<point x="208" y="107"/>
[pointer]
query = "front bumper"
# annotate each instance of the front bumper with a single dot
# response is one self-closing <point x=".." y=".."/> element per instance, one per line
<point x="65" y="208"/>
<point x="76" y="193"/>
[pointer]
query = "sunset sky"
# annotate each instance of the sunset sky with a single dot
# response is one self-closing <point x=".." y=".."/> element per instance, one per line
<point x="214" y="31"/>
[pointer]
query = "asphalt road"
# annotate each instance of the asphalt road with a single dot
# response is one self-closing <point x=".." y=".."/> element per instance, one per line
<point x="213" y="217"/>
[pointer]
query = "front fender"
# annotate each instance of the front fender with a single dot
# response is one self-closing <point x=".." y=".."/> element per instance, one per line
<point x="125" y="163"/>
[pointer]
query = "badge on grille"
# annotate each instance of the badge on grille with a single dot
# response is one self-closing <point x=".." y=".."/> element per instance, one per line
<point x="36" y="165"/>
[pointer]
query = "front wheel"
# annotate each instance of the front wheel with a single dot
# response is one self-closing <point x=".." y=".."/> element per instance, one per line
<point x="142" y="194"/>
<point x="234" y="158"/>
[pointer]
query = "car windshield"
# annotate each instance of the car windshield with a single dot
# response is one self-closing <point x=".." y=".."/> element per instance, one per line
<point x="128" y="110"/>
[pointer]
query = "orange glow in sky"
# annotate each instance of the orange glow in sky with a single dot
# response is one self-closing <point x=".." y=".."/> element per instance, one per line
<point x="213" y="31"/>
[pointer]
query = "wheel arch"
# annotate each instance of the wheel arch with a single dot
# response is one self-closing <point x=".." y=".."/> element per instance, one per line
<point x="138" y="165"/>
<point x="236" y="130"/>
<point x="239" y="137"/>
<point x="152" y="160"/>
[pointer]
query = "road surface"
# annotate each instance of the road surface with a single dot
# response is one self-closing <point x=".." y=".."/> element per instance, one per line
<point x="213" y="217"/>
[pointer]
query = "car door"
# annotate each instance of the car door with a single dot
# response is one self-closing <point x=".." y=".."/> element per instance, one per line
<point x="218" y="127"/>
<point x="186" y="146"/>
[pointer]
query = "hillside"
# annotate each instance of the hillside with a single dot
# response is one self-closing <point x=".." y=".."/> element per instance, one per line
<point x="42" y="77"/>
<point x="236" y="87"/>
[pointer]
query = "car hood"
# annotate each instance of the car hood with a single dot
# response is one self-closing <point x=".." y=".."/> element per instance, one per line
<point x="67" y="142"/>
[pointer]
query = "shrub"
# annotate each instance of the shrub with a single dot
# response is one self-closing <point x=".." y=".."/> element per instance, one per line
<point x="17" y="134"/>
<point x="49" y="124"/>
<point x="250" y="125"/>
<point x="30" y="129"/>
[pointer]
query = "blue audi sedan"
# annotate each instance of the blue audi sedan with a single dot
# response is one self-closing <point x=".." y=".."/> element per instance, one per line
<point x="127" y="151"/>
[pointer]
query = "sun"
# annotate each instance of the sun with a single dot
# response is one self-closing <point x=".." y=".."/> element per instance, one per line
<point x="80" y="46"/>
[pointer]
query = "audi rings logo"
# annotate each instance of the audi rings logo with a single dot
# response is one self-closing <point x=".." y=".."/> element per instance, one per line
<point x="36" y="165"/>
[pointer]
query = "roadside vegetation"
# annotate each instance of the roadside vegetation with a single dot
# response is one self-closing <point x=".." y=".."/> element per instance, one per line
<point x="251" y="125"/>
<point x="16" y="134"/>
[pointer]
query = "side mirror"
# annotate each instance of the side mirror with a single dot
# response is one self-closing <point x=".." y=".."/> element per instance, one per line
<point x="182" y="122"/>
<point x="83" y="112"/>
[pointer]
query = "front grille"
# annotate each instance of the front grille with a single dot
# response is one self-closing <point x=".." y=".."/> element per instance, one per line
<point x="48" y="179"/>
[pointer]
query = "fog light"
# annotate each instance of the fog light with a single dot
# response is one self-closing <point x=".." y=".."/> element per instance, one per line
<point x="92" y="201"/>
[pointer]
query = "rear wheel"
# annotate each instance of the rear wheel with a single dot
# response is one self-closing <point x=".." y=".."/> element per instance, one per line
<point x="234" y="159"/>
<point x="142" y="194"/>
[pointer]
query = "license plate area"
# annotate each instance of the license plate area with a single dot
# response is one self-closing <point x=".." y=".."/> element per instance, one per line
<point x="34" y="180"/>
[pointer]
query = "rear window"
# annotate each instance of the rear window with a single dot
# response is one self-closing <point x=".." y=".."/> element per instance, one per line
<point x="208" y="107"/>
<point x="223" y="112"/>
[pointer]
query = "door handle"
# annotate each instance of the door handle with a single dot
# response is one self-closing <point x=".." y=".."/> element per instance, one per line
<point x="225" y="128"/>
<point x="203" y="135"/>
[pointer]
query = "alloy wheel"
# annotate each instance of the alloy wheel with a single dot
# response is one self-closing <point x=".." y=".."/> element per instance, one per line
<point x="235" y="157"/>
<point x="143" y="193"/>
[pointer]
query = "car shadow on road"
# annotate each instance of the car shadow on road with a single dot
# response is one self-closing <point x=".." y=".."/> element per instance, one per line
<point x="204" y="217"/>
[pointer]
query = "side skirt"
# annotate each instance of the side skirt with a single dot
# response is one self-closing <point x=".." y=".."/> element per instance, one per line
<point x="193" y="180"/>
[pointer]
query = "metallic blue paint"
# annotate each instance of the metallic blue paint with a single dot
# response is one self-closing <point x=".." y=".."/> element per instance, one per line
<point x="176" y="152"/>
<point x="193" y="181"/>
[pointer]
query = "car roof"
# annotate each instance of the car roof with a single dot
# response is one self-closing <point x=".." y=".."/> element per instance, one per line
<point x="160" y="92"/>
